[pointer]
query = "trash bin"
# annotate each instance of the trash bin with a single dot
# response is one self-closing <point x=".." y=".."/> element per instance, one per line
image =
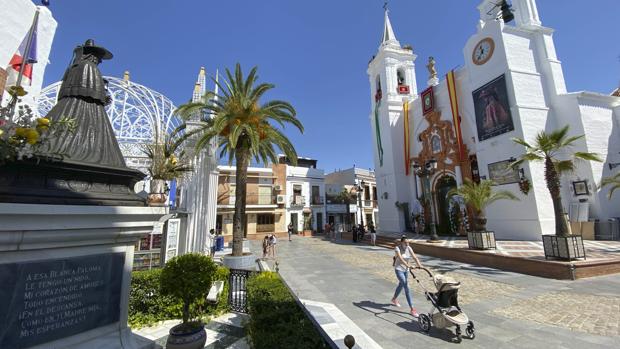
<point x="219" y="243"/>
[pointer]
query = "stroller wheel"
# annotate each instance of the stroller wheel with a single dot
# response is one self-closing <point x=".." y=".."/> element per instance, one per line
<point x="471" y="333"/>
<point x="459" y="339"/>
<point x="425" y="322"/>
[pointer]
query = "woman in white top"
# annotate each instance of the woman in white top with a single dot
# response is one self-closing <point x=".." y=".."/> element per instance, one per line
<point x="403" y="255"/>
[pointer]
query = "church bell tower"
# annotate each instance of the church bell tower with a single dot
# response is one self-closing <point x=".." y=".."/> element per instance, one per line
<point x="392" y="81"/>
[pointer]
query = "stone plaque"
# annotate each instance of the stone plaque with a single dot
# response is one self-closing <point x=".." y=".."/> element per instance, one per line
<point x="47" y="300"/>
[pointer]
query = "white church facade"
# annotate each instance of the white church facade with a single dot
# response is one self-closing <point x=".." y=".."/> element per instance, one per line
<point x="514" y="68"/>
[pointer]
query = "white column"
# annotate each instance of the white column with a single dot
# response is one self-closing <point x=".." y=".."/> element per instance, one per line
<point x="459" y="176"/>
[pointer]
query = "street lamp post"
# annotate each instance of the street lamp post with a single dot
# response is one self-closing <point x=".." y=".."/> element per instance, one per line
<point x="359" y="188"/>
<point x="425" y="173"/>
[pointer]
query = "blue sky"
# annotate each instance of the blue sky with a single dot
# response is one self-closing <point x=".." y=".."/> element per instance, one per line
<point x="315" y="52"/>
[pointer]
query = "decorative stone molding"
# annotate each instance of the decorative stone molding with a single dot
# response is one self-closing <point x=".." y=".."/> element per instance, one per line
<point x="448" y="156"/>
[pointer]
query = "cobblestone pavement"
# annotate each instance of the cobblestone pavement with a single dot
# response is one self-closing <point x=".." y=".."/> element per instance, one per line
<point x="510" y="310"/>
<point x="578" y="312"/>
<point x="473" y="288"/>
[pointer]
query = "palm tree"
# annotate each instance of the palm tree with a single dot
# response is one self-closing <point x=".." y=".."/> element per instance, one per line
<point x="345" y="197"/>
<point x="479" y="197"/>
<point x="547" y="148"/>
<point x="613" y="181"/>
<point x="168" y="161"/>
<point x="243" y="129"/>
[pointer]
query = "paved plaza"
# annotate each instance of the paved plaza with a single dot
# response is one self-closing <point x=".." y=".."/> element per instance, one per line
<point x="510" y="310"/>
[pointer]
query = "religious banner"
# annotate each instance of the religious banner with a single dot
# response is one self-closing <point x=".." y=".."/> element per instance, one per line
<point x="378" y="133"/>
<point x="406" y="138"/>
<point x="428" y="101"/>
<point x="456" y="119"/>
<point x="493" y="116"/>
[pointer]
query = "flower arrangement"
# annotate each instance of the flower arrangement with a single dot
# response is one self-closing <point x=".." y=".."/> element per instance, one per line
<point x="524" y="185"/>
<point x="22" y="135"/>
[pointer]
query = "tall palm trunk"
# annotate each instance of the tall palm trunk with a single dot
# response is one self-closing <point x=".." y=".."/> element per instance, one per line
<point x="242" y="156"/>
<point x="553" y="184"/>
<point x="347" y="220"/>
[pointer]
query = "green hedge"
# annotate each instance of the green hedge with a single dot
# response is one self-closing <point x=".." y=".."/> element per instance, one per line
<point x="276" y="320"/>
<point x="147" y="305"/>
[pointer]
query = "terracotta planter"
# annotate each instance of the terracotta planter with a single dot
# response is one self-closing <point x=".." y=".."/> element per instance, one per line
<point x="564" y="247"/>
<point x="183" y="336"/>
<point x="157" y="195"/>
<point x="481" y="240"/>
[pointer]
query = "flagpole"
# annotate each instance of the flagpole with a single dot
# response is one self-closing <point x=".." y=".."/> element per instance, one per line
<point x="27" y="50"/>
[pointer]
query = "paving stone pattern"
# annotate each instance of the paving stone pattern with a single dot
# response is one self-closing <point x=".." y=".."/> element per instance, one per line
<point x="510" y="310"/>
<point x="578" y="312"/>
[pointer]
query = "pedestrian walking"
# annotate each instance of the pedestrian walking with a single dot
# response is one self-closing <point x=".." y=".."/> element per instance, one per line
<point x="373" y="234"/>
<point x="212" y="243"/>
<point x="266" y="247"/>
<point x="290" y="231"/>
<point x="403" y="254"/>
<point x="272" y="242"/>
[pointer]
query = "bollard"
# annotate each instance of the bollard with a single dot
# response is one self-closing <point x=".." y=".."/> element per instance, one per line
<point x="349" y="341"/>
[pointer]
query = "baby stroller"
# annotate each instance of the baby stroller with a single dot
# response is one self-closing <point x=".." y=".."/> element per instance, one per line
<point x="445" y="312"/>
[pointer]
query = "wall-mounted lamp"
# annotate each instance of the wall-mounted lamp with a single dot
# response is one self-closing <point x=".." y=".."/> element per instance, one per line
<point x="613" y="165"/>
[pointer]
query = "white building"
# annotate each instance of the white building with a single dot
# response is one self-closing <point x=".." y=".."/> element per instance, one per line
<point x="198" y="192"/>
<point x="350" y="179"/>
<point x="15" y="21"/>
<point x="304" y="194"/>
<point x="513" y="68"/>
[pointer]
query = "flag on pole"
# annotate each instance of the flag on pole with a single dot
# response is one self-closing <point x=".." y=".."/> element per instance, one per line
<point x="406" y="138"/>
<point x="456" y="119"/>
<point x="378" y="133"/>
<point x="18" y="59"/>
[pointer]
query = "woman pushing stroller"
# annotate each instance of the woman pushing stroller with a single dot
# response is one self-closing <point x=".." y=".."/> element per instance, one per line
<point x="403" y="254"/>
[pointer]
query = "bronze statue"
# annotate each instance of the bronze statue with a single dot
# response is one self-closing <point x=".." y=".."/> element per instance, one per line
<point x="82" y="97"/>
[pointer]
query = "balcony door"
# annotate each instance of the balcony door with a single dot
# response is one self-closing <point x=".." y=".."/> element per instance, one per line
<point x="264" y="195"/>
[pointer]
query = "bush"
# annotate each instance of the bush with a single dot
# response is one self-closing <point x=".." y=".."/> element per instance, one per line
<point x="276" y="320"/>
<point x="188" y="278"/>
<point x="148" y="305"/>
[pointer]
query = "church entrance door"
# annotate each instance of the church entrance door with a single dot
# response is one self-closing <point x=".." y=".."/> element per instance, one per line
<point x="443" y="186"/>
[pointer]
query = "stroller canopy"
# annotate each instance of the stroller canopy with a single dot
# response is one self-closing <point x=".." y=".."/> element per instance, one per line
<point x="445" y="283"/>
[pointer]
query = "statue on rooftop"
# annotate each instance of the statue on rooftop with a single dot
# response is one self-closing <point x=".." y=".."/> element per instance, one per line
<point x="431" y="68"/>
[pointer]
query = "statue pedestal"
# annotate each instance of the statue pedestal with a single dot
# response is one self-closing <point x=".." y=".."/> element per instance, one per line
<point x="65" y="272"/>
<point x="432" y="82"/>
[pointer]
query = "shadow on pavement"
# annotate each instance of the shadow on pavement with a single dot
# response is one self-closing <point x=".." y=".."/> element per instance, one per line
<point x="380" y="309"/>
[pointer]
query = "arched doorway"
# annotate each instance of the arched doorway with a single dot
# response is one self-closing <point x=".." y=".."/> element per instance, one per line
<point x="442" y="187"/>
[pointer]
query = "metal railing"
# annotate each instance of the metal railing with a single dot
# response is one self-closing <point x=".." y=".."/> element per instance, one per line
<point x="251" y="199"/>
<point x="237" y="290"/>
<point x="317" y="200"/>
<point x="298" y="200"/>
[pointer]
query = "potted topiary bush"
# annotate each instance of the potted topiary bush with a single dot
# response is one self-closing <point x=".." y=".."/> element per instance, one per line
<point x="478" y="197"/>
<point x="188" y="279"/>
<point x="167" y="162"/>
<point x="548" y="148"/>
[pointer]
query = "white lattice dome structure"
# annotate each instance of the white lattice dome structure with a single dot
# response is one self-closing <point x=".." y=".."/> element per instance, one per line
<point x="138" y="115"/>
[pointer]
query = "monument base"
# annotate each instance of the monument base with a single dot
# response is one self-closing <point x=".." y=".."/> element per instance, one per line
<point x="66" y="272"/>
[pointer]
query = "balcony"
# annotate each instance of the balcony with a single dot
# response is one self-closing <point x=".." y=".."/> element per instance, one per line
<point x="251" y="199"/>
<point x="317" y="201"/>
<point x="298" y="201"/>
<point x="369" y="203"/>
